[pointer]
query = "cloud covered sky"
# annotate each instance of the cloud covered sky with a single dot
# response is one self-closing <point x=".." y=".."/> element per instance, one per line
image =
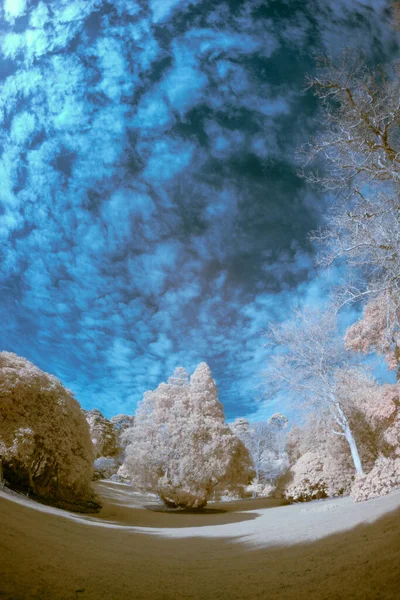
<point x="150" y="211"/>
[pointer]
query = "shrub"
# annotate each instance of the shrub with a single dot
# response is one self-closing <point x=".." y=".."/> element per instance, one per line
<point x="315" y="476"/>
<point x="44" y="438"/>
<point x="381" y="480"/>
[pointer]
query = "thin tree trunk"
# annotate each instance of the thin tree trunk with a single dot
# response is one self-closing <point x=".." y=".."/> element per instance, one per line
<point x="32" y="486"/>
<point x="257" y="479"/>
<point x="354" y="451"/>
<point x="1" y="472"/>
<point x="397" y="357"/>
<point x="344" y="425"/>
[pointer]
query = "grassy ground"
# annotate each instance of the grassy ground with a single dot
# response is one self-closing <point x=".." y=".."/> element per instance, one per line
<point x="46" y="556"/>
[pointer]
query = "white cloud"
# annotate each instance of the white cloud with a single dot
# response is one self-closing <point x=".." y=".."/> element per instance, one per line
<point x="14" y="9"/>
<point x="167" y="158"/>
<point x="22" y="127"/>
<point x="184" y="82"/>
<point x="162" y="9"/>
<point x="39" y="16"/>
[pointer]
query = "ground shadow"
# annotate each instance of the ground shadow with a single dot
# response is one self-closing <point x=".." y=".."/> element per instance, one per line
<point x="123" y="506"/>
<point x="184" y="511"/>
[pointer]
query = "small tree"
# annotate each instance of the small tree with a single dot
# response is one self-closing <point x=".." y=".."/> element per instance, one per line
<point x="181" y="447"/>
<point x="308" y="355"/>
<point x="44" y="438"/>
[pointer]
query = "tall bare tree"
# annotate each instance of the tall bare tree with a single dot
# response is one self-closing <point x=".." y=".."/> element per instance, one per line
<point x="356" y="156"/>
<point x="308" y="354"/>
<point x="358" y="150"/>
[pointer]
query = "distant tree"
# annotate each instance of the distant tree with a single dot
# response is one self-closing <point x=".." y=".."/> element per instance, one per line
<point x="265" y="442"/>
<point x="123" y="424"/>
<point x="104" y="467"/>
<point x="278" y="427"/>
<point x="44" y="438"/>
<point x="307" y="356"/>
<point x="103" y="434"/>
<point x="240" y="427"/>
<point x="181" y="447"/>
<point x="278" y="422"/>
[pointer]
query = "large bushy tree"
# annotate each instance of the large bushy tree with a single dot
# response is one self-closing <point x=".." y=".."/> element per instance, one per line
<point x="45" y="444"/>
<point x="181" y="448"/>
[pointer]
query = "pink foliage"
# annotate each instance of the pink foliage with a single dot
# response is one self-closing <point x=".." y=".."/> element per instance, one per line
<point x="361" y="392"/>
<point x="381" y="480"/>
<point x="316" y="476"/>
<point x="308" y="481"/>
<point x="322" y="463"/>
<point x="376" y="331"/>
<point x="391" y="424"/>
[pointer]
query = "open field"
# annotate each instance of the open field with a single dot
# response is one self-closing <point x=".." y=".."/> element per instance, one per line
<point x="332" y="549"/>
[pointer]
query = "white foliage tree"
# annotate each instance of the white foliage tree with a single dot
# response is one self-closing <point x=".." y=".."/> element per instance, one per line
<point x="265" y="442"/>
<point x="359" y="142"/>
<point x="358" y="148"/>
<point x="308" y="356"/>
<point x="181" y="447"/>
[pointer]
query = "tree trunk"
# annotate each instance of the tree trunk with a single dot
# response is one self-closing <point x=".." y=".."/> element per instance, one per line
<point x="354" y="450"/>
<point x="344" y="425"/>
<point x="32" y="486"/>
<point x="256" y="480"/>
<point x="397" y="357"/>
<point x="1" y="471"/>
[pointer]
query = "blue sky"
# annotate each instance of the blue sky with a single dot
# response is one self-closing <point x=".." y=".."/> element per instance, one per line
<point x="150" y="210"/>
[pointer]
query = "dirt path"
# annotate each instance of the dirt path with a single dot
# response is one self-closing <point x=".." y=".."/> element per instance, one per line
<point x="130" y="553"/>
